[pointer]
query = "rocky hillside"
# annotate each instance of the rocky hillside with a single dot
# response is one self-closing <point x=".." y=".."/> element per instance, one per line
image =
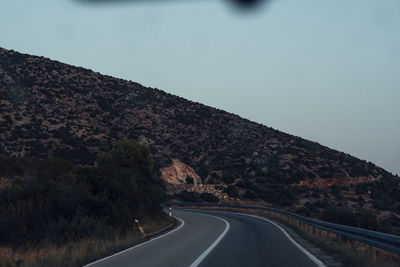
<point x="50" y="109"/>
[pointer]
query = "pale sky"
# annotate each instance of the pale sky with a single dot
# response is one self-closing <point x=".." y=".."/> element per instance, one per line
<point x="328" y="71"/>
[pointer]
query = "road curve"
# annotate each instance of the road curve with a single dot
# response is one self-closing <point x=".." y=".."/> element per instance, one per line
<point x="179" y="248"/>
<point x="215" y="239"/>
<point x="253" y="241"/>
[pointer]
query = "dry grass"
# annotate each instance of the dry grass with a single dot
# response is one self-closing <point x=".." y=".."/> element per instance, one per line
<point x="74" y="253"/>
<point x="71" y="254"/>
<point x="351" y="254"/>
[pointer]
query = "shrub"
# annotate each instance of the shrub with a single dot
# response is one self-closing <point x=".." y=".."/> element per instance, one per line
<point x="208" y="197"/>
<point x="363" y="219"/>
<point x="186" y="196"/>
<point x="228" y="178"/>
<point x="250" y="194"/>
<point x="189" y="180"/>
<point x="315" y="195"/>
<point x="232" y="191"/>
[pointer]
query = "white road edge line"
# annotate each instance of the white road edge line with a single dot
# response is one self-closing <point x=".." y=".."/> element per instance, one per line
<point x="317" y="261"/>
<point x="141" y="244"/>
<point x="214" y="244"/>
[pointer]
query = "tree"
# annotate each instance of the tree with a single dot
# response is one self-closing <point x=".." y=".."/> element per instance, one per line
<point x="128" y="154"/>
<point x="133" y="161"/>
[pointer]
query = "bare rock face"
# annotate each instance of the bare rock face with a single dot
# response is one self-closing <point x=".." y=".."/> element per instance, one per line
<point x="178" y="172"/>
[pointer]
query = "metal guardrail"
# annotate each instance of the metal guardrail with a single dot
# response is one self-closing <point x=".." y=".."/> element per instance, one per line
<point x="375" y="239"/>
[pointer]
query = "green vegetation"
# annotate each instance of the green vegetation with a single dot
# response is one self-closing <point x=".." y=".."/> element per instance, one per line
<point x="189" y="180"/>
<point x="385" y="193"/>
<point x="187" y="196"/>
<point x="270" y="190"/>
<point x="232" y="191"/>
<point x="52" y="201"/>
<point x="362" y="219"/>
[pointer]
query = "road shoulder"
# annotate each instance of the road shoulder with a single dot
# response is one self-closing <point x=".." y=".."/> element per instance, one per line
<point x="327" y="259"/>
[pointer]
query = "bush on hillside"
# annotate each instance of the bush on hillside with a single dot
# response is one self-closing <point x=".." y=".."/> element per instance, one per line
<point x="362" y="219"/>
<point x="187" y="196"/>
<point x="232" y="191"/>
<point x="189" y="180"/>
<point x="208" y="197"/>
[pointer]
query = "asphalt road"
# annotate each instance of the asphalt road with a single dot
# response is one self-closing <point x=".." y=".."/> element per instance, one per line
<point x="216" y="239"/>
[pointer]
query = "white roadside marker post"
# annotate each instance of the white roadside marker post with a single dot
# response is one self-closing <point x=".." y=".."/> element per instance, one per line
<point x="140" y="228"/>
<point x="170" y="212"/>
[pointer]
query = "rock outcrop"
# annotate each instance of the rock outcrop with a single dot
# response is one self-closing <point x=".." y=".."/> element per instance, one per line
<point x="178" y="172"/>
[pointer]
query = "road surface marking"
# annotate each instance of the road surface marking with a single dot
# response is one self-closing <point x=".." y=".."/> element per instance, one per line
<point x="213" y="245"/>
<point x="317" y="261"/>
<point x="141" y="244"/>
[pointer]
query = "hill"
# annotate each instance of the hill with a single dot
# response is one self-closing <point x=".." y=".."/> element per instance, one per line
<point x="53" y="109"/>
<point x="50" y="109"/>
